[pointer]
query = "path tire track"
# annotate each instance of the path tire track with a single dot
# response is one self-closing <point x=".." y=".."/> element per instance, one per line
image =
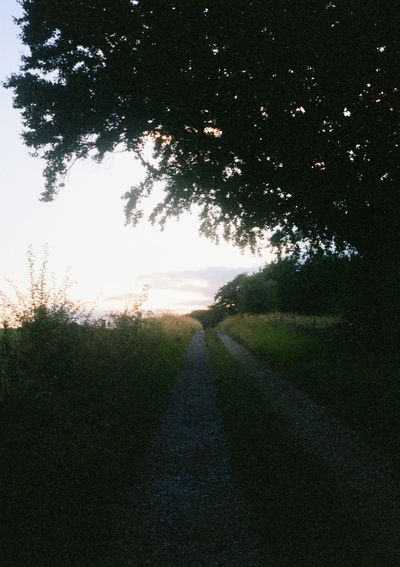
<point x="368" y="482"/>
<point x="188" y="511"/>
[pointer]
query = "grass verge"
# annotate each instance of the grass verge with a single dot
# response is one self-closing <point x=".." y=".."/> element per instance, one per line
<point x="79" y="405"/>
<point x="330" y="363"/>
<point x="299" y="515"/>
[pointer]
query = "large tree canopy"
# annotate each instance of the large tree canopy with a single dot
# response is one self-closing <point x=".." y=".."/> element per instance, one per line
<point x="266" y="113"/>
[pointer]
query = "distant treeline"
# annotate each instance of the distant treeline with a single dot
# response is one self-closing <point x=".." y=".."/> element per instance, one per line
<point x="318" y="285"/>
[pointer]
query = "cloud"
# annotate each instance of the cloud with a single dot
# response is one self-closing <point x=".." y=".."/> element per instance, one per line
<point x="205" y="281"/>
<point x="198" y="304"/>
<point x="183" y="290"/>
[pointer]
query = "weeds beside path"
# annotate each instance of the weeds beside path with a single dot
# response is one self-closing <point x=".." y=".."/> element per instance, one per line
<point x="79" y="405"/>
<point x="366" y="478"/>
<point x="335" y="365"/>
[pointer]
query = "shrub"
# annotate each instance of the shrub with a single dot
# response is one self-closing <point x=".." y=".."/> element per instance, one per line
<point x="79" y="405"/>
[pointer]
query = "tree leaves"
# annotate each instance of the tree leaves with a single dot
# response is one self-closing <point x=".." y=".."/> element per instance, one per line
<point x="267" y="114"/>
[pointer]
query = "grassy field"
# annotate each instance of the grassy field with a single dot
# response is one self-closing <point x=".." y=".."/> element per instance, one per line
<point x="331" y="363"/>
<point x="299" y="515"/>
<point x="79" y="405"/>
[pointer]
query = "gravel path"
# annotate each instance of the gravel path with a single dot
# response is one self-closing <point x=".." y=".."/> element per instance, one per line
<point x="366" y="477"/>
<point x="189" y="511"/>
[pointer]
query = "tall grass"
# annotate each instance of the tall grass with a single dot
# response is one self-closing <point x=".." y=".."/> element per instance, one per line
<point x="329" y="361"/>
<point x="283" y="338"/>
<point x="79" y="404"/>
<point x="298" y="513"/>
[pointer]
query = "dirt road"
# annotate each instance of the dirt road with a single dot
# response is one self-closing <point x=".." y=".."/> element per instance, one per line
<point x="370" y="487"/>
<point x="188" y="510"/>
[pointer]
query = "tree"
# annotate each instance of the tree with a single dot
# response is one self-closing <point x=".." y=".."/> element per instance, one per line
<point x="258" y="294"/>
<point x="315" y="285"/>
<point x="270" y="115"/>
<point x="255" y="293"/>
<point x="228" y="297"/>
<point x="209" y="317"/>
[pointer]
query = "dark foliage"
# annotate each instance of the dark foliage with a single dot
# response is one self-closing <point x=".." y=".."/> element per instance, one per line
<point x="315" y="286"/>
<point x="228" y="295"/>
<point x="300" y="516"/>
<point x="209" y="317"/>
<point x="279" y="115"/>
<point x="266" y="113"/>
<point x="79" y="405"/>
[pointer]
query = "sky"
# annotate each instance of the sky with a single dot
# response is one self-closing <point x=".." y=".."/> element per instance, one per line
<point x="84" y="227"/>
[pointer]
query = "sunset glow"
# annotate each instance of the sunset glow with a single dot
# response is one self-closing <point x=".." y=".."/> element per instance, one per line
<point x="85" y="227"/>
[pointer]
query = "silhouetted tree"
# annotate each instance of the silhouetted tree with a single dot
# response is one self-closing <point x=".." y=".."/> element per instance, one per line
<point x="258" y="294"/>
<point x="315" y="285"/>
<point x="285" y="273"/>
<point x="228" y="296"/>
<point x="279" y="115"/>
<point x="209" y="317"/>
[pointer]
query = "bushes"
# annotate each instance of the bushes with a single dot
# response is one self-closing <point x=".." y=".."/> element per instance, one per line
<point x="315" y="285"/>
<point x="78" y="412"/>
<point x="79" y="404"/>
<point x="209" y="317"/>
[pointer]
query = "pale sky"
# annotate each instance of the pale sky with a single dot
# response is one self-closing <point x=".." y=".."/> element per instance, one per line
<point x="84" y="227"/>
